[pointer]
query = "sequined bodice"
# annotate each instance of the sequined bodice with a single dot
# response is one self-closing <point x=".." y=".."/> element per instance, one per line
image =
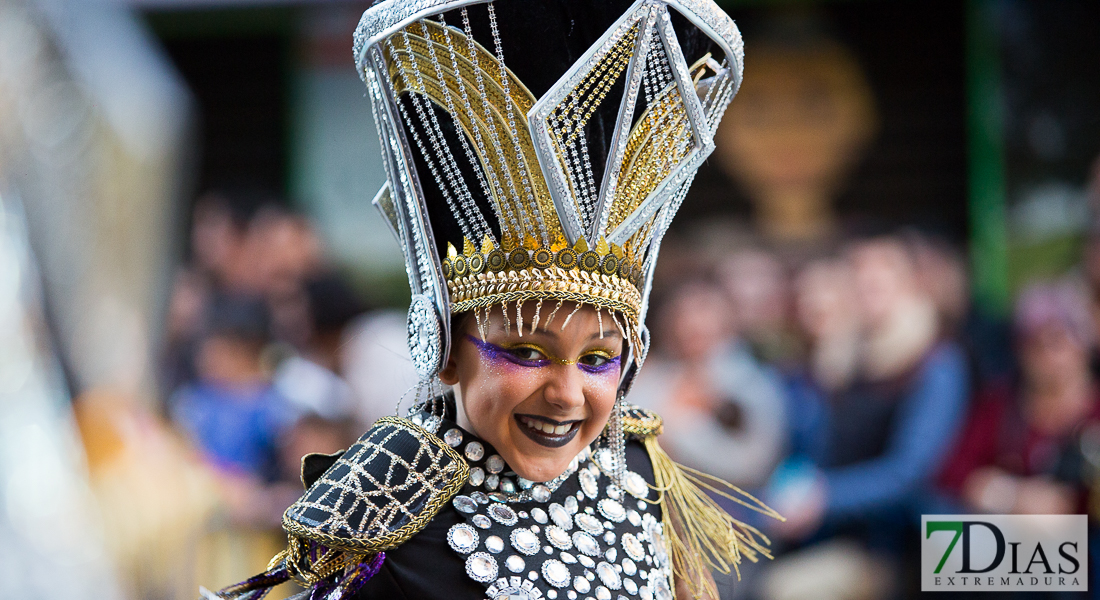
<point x="577" y="537"/>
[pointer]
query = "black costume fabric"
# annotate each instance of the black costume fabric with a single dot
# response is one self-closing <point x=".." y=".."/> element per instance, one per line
<point x="427" y="567"/>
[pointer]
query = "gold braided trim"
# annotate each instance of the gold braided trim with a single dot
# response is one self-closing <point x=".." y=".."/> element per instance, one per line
<point x="641" y="423"/>
<point x="458" y="477"/>
<point x="306" y="570"/>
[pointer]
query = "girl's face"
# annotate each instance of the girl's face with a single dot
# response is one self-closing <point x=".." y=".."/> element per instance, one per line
<point x="539" y="398"/>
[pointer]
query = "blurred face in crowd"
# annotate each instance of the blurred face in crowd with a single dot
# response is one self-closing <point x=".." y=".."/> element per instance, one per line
<point x="215" y="237"/>
<point x="1050" y="354"/>
<point x="227" y="359"/>
<point x="758" y="288"/>
<point x="943" y="275"/>
<point x="539" y="398"/>
<point x="825" y="300"/>
<point x="696" y="321"/>
<point x="883" y="278"/>
<point x="281" y="248"/>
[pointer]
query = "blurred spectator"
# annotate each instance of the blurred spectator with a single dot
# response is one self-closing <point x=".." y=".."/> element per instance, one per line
<point x="1032" y="448"/>
<point x="943" y="273"/>
<point x="231" y="410"/>
<point x="756" y="281"/>
<point x="375" y="361"/>
<point x="826" y="309"/>
<point x="863" y="454"/>
<point x="312" y="380"/>
<point x="723" y="410"/>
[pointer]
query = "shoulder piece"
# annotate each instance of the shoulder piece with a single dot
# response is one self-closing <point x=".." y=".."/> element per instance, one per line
<point x="381" y="491"/>
<point x="640" y="423"/>
<point x="315" y="464"/>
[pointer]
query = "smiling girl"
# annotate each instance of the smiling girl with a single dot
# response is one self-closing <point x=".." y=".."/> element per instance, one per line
<point x="530" y="199"/>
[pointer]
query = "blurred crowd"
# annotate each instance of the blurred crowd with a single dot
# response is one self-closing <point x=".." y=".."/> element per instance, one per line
<point x="852" y="390"/>
<point x="270" y="354"/>
<point x="857" y="388"/>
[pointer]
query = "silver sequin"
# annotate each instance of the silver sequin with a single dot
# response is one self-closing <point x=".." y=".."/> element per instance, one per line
<point x="561" y="516"/>
<point x="474" y="451"/>
<point x="630" y="587"/>
<point x="571" y="505"/>
<point x="555" y="573"/>
<point x="465" y="504"/>
<point x="629" y="568"/>
<point x="612" y="510"/>
<point x="588" y="523"/>
<point x="586" y="543"/>
<point x="558" y="537"/>
<point x="525" y="541"/>
<point x="492" y="481"/>
<point x="453" y="437"/>
<point x="507" y="486"/>
<point x="481" y="521"/>
<point x="636" y="485"/>
<point x="588" y="483"/>
<point x="462" y="538"/>
<point x="632" y="546"/>
<point x="540" y="493"/>
<point x="581" y="584"/>
<point x="538" y="515"/>
<point x="494" y="544"/>
<point x="481" y="567"/>
<point x="477" y="476"/>
<point x="503" y="514"/>
<point x="515" y="564"/>
<point x="494" y="464"/>
<point x="609" y="576"/>
<point x="479" y="497"/>
<point x="661" y="590"/>
<point x="568" y="558"/>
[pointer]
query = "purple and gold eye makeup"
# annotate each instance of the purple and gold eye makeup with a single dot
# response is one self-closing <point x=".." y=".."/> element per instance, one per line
<point x="534" y="356"/>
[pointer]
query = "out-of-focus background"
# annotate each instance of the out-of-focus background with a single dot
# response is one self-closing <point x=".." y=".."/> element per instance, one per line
<point x="881" y="298"/>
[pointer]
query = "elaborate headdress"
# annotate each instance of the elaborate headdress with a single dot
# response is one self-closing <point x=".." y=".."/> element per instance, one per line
<point x="538" y="151"/>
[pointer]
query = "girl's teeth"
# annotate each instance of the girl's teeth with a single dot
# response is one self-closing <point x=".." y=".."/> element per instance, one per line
<point x="546" y="427"/>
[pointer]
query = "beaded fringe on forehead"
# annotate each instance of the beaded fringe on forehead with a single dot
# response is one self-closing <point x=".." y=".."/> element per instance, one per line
<point x="482" y="316"/>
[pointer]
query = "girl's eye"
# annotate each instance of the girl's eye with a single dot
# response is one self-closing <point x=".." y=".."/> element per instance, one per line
<point x="594" y="360"/>
<point x="526" y="353"/>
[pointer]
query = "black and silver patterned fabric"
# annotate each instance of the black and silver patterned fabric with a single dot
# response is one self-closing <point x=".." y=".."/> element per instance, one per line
<point x="381" y="491"/>
<point x="584" y="539"/>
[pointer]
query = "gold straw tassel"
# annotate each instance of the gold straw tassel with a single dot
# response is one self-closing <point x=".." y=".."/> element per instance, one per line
<point x="702" y="536"/>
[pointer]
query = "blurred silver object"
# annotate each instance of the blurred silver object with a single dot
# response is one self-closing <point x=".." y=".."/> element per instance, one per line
<point x="92" y="125"/>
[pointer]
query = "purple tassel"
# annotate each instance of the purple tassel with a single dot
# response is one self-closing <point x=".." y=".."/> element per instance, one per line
<point x="353" y="581"/>
<point x="335" y="588"/>
<point x="255" y="588"/>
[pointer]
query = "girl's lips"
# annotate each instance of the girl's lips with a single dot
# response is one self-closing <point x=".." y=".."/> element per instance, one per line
<point x="547" y="432"/>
